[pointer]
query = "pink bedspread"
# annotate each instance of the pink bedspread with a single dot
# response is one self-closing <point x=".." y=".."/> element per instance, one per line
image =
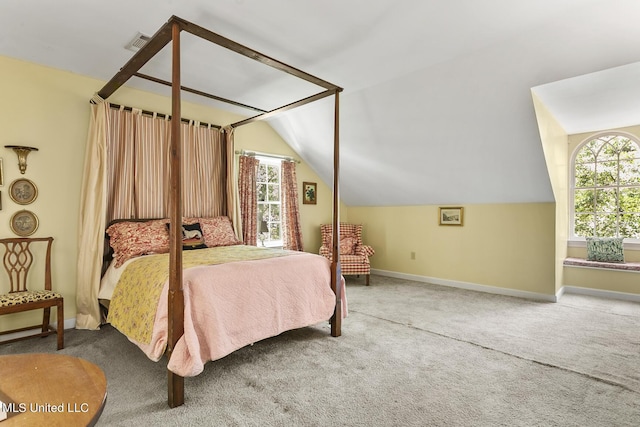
<point x="229" y="306"/>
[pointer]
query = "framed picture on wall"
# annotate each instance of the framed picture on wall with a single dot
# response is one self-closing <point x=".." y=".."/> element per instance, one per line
<point x="23" y="191"/>
<point x="24" y="223"/>
<point x="309" y="193"/>
<point x="451" y="216"/>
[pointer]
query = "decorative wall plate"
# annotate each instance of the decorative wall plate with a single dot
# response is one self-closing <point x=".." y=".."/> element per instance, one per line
<point x="24" y="223"/>
<point x="23" y="191"/>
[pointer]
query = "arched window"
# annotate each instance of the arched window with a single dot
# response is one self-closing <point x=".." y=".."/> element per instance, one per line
<point x="606" y="187"/>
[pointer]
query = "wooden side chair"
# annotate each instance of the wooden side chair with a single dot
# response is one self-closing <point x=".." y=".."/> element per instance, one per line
<point x="18" y="258"/>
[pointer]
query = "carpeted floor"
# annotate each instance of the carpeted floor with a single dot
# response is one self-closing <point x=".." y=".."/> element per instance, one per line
<point x="411" y="354"/>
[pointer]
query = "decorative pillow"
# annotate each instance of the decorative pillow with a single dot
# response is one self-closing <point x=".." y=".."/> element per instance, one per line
<point x="217" y="231"/>
<point x="607" y="249"/>
<point x="132" y="239"/>
<point x="347" y="245"/>
<point x="192" y="237"/>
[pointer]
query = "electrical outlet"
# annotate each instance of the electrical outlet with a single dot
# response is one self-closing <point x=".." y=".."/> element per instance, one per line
<point x="413" y="255"/>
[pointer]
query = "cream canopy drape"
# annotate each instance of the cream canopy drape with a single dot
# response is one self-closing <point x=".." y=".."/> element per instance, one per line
<point x="93" y="203"/>
<point x="233" y="199"/>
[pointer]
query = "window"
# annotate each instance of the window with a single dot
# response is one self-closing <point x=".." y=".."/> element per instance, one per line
<point x="269" y="207"/>
<point x="606" y="188"/>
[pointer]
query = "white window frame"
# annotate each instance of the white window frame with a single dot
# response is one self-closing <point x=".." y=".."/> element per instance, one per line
<point x="579" y="241"/>
<point x="267" y="242"/>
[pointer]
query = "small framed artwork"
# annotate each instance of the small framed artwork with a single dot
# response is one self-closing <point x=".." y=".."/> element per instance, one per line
<point x="309" y="193"/>
<point x="23" y="191"/>
<point x="451" y="216"/>
<point x="24" y="223"/>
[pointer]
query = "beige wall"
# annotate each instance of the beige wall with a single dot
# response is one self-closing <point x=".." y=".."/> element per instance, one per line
<point x="49" y="109"/>
<point x="602" y="280"/>
<point x="500" y="245"/>
<point x="554" y="145"/>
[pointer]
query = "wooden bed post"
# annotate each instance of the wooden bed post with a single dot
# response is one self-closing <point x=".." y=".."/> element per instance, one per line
<point x="336" y="273"/>
<point x="175" y="383"/>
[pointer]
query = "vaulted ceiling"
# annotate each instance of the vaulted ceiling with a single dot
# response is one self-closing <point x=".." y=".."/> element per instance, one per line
<point x="437" y="103"/>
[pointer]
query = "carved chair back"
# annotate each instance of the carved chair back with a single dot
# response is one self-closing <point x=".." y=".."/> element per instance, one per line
<point x="18" y="259"/>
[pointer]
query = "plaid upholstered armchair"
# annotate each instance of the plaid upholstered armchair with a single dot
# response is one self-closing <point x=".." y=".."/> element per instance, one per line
<point x="354" y="255"/>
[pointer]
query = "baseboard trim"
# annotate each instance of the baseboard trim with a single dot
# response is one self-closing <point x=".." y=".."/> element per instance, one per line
<point x="68" y="324"/>
<point x="624" y="296"/>
<point x="469" y="286"/>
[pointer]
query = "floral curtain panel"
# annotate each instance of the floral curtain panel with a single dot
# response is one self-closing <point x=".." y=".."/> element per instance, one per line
<point x="291" y="228"/>
<point x="247" y="178"/>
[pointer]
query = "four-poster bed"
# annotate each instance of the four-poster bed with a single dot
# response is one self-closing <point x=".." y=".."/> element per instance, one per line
<point x="170" y="32"/>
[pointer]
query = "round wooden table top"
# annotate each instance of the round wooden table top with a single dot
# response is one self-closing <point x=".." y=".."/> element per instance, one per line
<point x="50" y="389"/>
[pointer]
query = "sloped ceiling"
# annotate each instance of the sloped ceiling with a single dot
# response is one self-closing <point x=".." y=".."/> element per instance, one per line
<point x="437" y="103"/>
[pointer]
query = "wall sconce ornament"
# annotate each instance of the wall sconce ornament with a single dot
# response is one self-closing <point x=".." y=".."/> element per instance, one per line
<point x="22" y="151"/>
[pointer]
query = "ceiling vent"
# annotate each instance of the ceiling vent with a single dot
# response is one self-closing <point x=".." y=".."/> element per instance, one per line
<point x="138" y="41"/>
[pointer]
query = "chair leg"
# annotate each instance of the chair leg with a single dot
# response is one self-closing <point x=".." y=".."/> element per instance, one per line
<point x="367" y="279"/>
<point x="60" y="326"/>
<point x="46" y="319"/>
